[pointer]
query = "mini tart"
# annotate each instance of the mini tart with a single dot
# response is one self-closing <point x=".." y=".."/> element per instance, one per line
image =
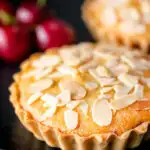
<point x="85" y="96"/>
<point x="123" y="22"/>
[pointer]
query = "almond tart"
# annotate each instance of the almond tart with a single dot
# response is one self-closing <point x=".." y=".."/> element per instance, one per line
<point x="85" y="97"/>
<point x="121" y="22"/>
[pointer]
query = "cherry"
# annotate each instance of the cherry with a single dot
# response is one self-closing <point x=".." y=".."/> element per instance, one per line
<point x="29" y="13"/>
<point x="53" y="33"/>
<point x="6" y="12"/>
<point x="14" y="43"/>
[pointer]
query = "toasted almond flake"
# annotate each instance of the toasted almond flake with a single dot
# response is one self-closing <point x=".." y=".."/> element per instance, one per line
<point x="50" y="100"/>
<point x="49" y="113"/>
<point x="106" y="89"/>
<point x="104" y="96"/>
<point x="84" y="107"/>
<point x="116" y="3"/>
<point x="67" y="70"/>
<point x="121" y="90"/>
<point x="73" y="104"/>
<point x="91" y="85"/>
<point x="71" y="119"/>
<point x="108" y="17"/>
<point x="77" y="91"/>
<point x="34" y="97"/>
<point x="103" y="71"/>
<point x="104" y="55"/>
<point x="124" y="101"/>
<point x="146" y="81"/>
<point x="32" y="73"/>
<point x="43" y="73"/>
<point x="101" y="113"/>
<point x="139" y="91"/>
<point x="103" y="81"/>
<point x="63" y="98"/>
<point x="89" y="65"/>
<point x="46" y="61"/>
<point x="133" y="63"/>
<point x="40" y="85"/>
<point x="128" y="80"/>
<point x="56" y="75"/>
<point x="132" y="28"/>
<point x="111" y="63"/>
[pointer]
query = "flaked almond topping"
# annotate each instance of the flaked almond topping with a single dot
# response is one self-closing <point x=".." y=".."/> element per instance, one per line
<point x="77" y="91"/>
<point x="139" y="91"/>
<point x="133" y="63"/>
<point x="108" y="17"/>
<point x="84" y="107"/>
<point x="115" y="3"/>
<point x="128" y="80"/>
<point x="103" y="81"/>
<point x="106" y="89"/>
<point x="73" y="104"/>
<point x="63" y="98"/>
<point x="89" y="65"/>
<point x="34" y="97"/>
<point x="67" y="70"/>
<point x="103" y="71"/>
<point x="145" y="6"/>
<point x="49" y="113"/>
<point x="49" y="100"/>
<point x="91" y="85"/>
<point x="40" y="85"/>
<point x="104" y="55"/>
<point x="146" y="81"/>
<point x="119" y="68"/>
<point x="101" y="113"/>
<point x="32" y="73"/>
<point x="111" y="63"/>
<point x="104" y="96"/>
<point x="55" y="75"/>
<point x="46" y="61"/>
<point x="43" y="73"/>
<point x="132" y="28"/>
<point x="124" y="101"/>
<point x="121" y="90"/>
<point x="71" y="119"/>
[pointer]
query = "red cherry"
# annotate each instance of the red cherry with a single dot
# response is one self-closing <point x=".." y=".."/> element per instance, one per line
<point x="14" y="43"/>
<point x="29" y="13"/>
<point x="54" y="33"/>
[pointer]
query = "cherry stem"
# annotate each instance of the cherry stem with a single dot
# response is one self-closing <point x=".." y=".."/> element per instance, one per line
<point x="41" y="3"/>
<point x="7" y="18"/>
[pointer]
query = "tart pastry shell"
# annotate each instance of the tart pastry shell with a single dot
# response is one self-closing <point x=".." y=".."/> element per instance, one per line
<point x="105" y="35"/>
<point x="55" y="138"/>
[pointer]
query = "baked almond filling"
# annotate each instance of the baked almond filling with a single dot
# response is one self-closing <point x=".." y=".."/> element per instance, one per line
<point x="87" y="89"/>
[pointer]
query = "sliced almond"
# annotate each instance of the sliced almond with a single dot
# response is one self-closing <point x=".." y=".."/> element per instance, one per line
<point x="124" y="101"/>
<point x="50" y="100"/>
<point x="56" y="75"/>
<point x="128" y="80"/>
<point x="103" y="81"/>
<point x="106" y="89"/>
<point x="64" y="98"/>
<point x="71" y="119"/>
<point x="139" y="91"/>
<point x="73" y="104"/>
<point x="47" y="61"/>
<point x="40" y="85"/>
<point x="104" y="96"/>
<point x="121" y="90"/>
<point x="91" y="85"/>
<point x="77" y="91"/>
<point x="34" y="97"/>
<point x="103" y="71"/>
<point x="49" y="113"/>
<point x="101" y="113"/>
<point x="84" y="107"/>
<point x="89" y="65"/>
<point x="67" y="70"/>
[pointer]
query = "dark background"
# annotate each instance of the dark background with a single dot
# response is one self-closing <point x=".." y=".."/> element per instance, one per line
<point x="13" y="136"/>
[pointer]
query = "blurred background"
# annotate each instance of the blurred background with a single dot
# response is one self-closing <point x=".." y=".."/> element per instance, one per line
<point x="19" y="37"/>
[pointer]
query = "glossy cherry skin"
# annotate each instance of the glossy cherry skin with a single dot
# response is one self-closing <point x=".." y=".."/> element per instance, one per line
<point x="54" y="33"/>
<point x="14" y="43"/>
